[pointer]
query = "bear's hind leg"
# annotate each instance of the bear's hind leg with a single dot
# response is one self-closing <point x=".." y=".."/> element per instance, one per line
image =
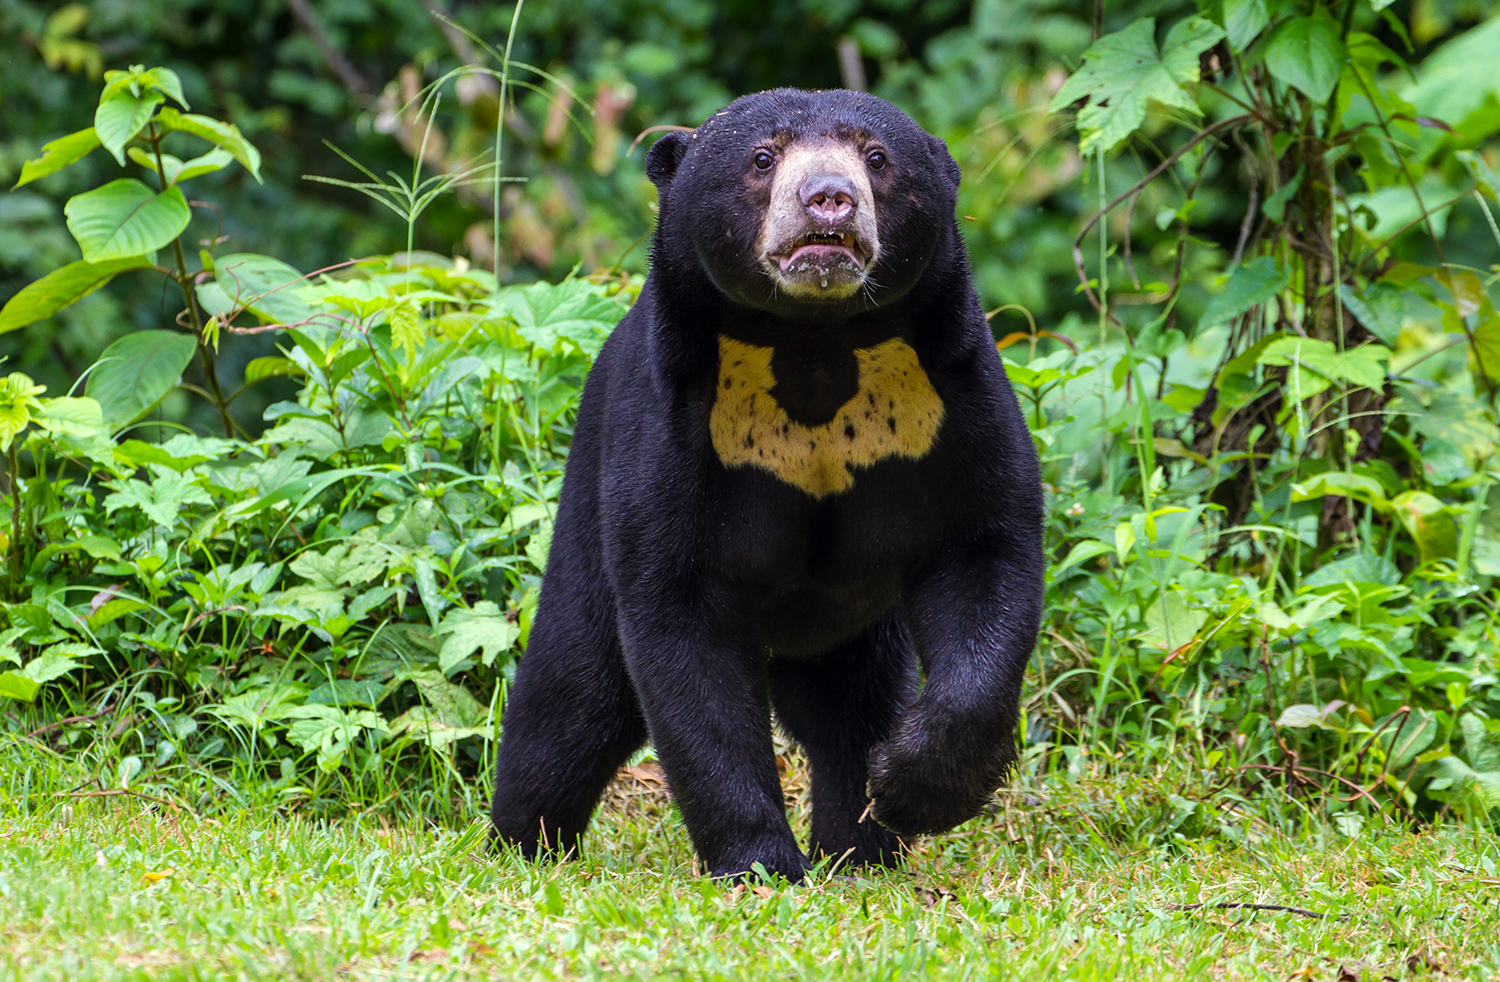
<point x="571" y="720"/>
<point x="838" y="707"/>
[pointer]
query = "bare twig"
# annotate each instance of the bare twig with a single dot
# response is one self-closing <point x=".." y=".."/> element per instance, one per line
<point x="1233" y="905"/>
<point x="67" y="721"/>
<point x="313" y="25"/>
<point x="1157" y="171"/>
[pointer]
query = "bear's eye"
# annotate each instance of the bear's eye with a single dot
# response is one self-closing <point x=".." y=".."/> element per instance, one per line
<point x="763" y="160"/>
<point x="876" y="159"/>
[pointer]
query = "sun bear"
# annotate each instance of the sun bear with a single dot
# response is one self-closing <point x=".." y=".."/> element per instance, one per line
<point x="800" y="482"/>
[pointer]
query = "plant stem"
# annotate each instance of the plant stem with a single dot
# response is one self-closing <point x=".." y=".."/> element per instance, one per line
<point x="15" y="516"/>
<point x="185" y="280"/>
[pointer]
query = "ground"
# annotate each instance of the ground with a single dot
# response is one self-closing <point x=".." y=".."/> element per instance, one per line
<point x="1074" y="878"/>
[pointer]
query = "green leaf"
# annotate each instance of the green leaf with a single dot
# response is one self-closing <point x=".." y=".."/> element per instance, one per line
<point x="1255" y="282"/>
<point x="406" y="328"/>
<point x="14" y="685"/>
<point x="135" y="372"/>
<point x="121" y="116"/>
<point x="1300" y="716"/>
<point x="1380" y="309"/>
<point x="56" y="662"/>
<point x="1344" y="484"/>
<point x="485" y="628"/>
<point x="573" y="314"/>
<point x="260" y="369"/>
<point x="224" y="135"/>
<point x="166" y="81"/>
<point x="1171" y="623"/>
<point x="62" y="287"/>
<point x="1362" y="567"/>
<point x="1123" y="72"/>
<point x="1460" y="82"/>
<point x="1429" y="522"/>
<point x="125" y="218"/>
<point x="66" y="414"/>
<point x="451" y="704"/>
<point x="59" y="154"/>
<point x="161" y="501"/>
<point x="1243" y="21"/>
<point x="1316" y="364"/>
<point x="1307" y="54"/>
<point x="1486" y="345"/>
<point x="179" y="170"/>
<point x="266" y="287"/>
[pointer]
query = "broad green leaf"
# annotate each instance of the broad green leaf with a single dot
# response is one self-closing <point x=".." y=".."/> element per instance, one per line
<point x="1480" y="749"/>
<point x="350" y="563"/>
<point x="135" y="372"/>
<point x="268" y="288"/>
<point x="1401" y="742"/>
<point x="18" y="400"/>
<point x="121" y="117"/>
<point x="56" y="662"/>
<point x="1428" y="521"/>
<point x="1307" y="54"/>
<point x="1362" y="567"/>
<point x="346" y="692"/>
<point x="260" y="369"/>
<point x="1300" y="716"/>
<point x="161" y="501"/>
<point x="1487" y="345"/>
<point x="485" y="627"/>
<point x="450" y="704"/>
<point x="1315" y="364"/>
<point x="1344" y="484"/>
<point x="573" y="314"/>
<point x="59" y="154"/>
<point x="1123" y="72"/>
<point x="165" y="80"/>
<point x="1171" y="623"/>
<point x="14" y="685"/>
<point x="406" y="328"/>
<point x="224" y="135"/>
<point x="66" y="414"/>
<point x="125" y="218"/>
<point x="1256" y="282"/>
<point x="1466" y="287"/>
<point x="1243" y="21"/>
<point x="1381" y="309"/>
<point x="180" y="170"/>
<point x="1460" y="81"/>
<point x="62" y="287"/>
<point x="430" y="727"/>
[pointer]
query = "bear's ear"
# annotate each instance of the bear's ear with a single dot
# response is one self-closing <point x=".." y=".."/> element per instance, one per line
<point x="664" y="156"/>
<point x="945" y="160"/>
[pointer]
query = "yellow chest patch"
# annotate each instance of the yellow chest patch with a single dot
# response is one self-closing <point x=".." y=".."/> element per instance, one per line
<point x="895" y="413"/>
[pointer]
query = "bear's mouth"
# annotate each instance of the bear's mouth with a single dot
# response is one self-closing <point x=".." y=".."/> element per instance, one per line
<point x="821" y="249"/>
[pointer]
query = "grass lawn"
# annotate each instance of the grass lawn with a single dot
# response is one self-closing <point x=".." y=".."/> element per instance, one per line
<point x="1078" y="879"/>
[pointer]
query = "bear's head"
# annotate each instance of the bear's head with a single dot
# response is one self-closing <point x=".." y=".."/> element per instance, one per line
<point x="805" y="203"/>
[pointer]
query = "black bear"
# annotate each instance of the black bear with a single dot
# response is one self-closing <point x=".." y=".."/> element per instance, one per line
<point x="798" y="474"/>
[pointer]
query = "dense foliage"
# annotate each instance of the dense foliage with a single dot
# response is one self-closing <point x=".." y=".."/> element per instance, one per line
<point x="1248" y="308"/>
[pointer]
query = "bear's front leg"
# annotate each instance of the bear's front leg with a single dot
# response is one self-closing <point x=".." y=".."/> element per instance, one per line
<point x="974" y="619"/>
<point x="700" y="675"/>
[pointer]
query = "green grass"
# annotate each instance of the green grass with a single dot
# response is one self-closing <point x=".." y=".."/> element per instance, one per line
<point x="1073" y="879"/>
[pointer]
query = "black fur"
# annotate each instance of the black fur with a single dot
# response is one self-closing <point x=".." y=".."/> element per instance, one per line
<point x="684" y="599"/>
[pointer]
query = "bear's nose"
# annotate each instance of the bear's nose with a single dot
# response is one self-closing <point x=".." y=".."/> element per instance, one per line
<point x="829" y="197"/>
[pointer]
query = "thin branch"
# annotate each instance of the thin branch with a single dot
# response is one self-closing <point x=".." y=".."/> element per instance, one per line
<point x="347" y="73"/>
<point x="1155" y="172"/>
